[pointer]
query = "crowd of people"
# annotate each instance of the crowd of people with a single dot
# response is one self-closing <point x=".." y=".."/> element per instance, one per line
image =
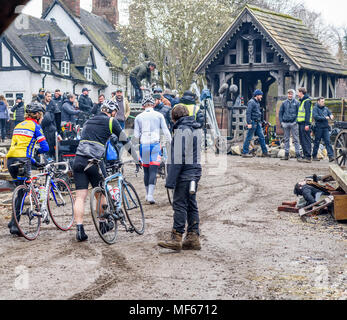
<point x="161" y="123"/>
<point x="296" y="119"/>
<point x="167" y="122"/>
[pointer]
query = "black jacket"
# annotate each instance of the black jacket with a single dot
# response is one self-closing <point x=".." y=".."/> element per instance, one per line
<point x="85" y="103"/>
<point x="96" y="132"/>
<point x="184" y="159"/>
<point x="319" y="116"/>
<point x="51" y="122"/>
<point x="59" y="102"/>
<point x="166" y="112"/>
<point x="19" y="109"/>
<point x="253" y="112"/>
<point x="200" y="117"/>
<point x="289" y="111"/>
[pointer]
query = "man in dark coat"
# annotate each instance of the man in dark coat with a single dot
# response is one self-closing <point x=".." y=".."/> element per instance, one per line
<point x="308" y="192"/>
<point x="84" y="102"/>
<point x="184" y="167"/>
<point x="41" y="95"/>
<point x="19" y="109"/>
<point x="304" y="120"/>
<point x="142" y="71"/>
<point x="97" y="106"/>
<point x="254" y="119"/>
<point x="321" y="116"/>
<point x="58" y="98"/>
<point x="51" y="123"/>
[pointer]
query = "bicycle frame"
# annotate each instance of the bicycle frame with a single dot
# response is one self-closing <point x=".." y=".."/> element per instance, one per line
<point x="49" y="185"/>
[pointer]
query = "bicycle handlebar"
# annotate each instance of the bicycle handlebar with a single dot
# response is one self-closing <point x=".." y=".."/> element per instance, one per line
<point x="59" y="164"/>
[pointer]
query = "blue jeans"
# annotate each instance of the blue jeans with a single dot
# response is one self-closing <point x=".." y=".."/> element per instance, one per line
<point x="122" y="124"/>
<point x="322" y="133"/>
<point x="256" y="129"/>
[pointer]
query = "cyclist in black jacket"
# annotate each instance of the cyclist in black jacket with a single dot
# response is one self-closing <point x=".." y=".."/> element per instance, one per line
<point x="95" y="134"/>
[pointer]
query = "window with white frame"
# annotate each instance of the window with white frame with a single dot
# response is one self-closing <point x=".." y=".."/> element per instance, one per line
<point x="115" y="78"/>
<point x="65" y="68"/>
<point x="46" y="64"/>
<point x="11" y="97"/>
<point x="88" y="73"/>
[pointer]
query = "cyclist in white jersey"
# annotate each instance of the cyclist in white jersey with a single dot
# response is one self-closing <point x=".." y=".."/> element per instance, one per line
<point x="148" y="126"/>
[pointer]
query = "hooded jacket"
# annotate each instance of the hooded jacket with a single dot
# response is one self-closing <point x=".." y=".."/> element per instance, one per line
<point x="199" y="117"/>
<point x="4" y="114"/>
<point x="319" y="116"/>
<point x="185" y="153"/>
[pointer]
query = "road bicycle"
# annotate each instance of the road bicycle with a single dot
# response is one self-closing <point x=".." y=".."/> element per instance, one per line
<point x="115" y="201"/>
<point x="33" y="203"/>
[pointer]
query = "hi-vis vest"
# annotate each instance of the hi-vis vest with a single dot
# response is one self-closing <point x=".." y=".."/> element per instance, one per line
<point x="193" y="109"/>
<point x="302" y="112"/>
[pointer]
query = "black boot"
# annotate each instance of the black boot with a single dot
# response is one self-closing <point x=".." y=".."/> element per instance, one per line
<point x="286" y="157"/>
<point x="106" y="226"/>
<point x="80" y="235"/>
<point x="13" y="228"/>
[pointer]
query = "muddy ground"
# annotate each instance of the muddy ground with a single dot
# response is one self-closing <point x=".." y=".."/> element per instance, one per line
<point x="249" y="250"/>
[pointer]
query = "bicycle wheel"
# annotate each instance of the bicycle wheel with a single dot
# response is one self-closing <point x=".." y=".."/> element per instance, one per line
<point x="133" y="209"/>
<point x="25" y="213"/>
<point x="104" y="221"/>
<point x="60" y="205"/>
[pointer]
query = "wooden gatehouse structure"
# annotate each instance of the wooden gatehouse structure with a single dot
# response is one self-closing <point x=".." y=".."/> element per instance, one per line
<point x="273" y="52"/>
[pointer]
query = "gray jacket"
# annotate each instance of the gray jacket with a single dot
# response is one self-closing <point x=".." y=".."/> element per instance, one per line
<point x="68" y="112"/>
<point x="289" y="111"/>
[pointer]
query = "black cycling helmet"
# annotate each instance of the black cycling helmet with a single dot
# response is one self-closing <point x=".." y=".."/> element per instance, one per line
<point x="147" y="99"/>
<point x="109" y="106"/>
<point x="34" y="107"/>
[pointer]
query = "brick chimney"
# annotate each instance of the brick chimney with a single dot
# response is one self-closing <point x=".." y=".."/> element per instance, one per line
<point x="73" y="5"/>
<point x="107" y="9"/>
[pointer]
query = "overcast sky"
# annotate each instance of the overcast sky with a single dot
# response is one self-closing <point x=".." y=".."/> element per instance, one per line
<point x="333" y="11"/>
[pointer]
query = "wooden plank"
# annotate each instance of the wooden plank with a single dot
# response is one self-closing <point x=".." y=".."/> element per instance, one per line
<point x="340" y="207"/>
<point x="339" y="175"/>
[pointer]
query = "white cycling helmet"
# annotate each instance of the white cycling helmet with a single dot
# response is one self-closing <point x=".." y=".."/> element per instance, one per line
<point x="109" y="106"/>
<point x="147" y="99"/>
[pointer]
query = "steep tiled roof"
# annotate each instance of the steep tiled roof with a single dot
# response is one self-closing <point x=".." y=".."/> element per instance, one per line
<point x="289" y="37"/>
<point x="81" y="54"/>
<point x="99" y="31"/>
<point x="35" y="43"/>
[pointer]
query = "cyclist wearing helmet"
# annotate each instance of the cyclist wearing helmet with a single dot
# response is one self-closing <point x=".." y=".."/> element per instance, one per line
<point x="96" y="132"/>
<point x="25" y="136"/>
<point x="147" y="129"/>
